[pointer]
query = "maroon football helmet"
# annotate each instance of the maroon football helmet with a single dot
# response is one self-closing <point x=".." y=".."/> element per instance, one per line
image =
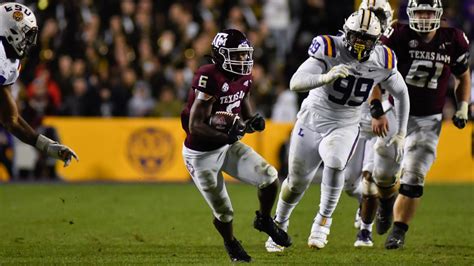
<point x="231" y="50"/>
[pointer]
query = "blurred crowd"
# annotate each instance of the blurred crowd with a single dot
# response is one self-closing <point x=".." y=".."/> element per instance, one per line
<point x="137" y="57"/>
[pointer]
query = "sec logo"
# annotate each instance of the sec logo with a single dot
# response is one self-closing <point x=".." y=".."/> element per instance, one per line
<point x="149" y="150"/>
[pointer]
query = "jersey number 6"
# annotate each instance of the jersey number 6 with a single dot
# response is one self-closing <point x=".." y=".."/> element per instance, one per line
<point x="360" y="86"/>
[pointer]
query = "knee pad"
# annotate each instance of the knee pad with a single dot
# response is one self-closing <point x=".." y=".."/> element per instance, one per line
<point x="224" y="217"/>
<point x="368" y="185"/>
<point x="389" y="188"/>
<point x="269" y="172"/>
<point x="222" y="210"/>
<point x="411" y="191"/>
<point x="413" y="178"/>
<point x="298" y="180"/>
<point x="334" y="162"/>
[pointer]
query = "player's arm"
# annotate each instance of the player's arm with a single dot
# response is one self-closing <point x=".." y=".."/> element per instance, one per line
<point x="314" y="72"/>
<point x="310" y="75"/>
<point x="460" y="69"/>
<point x="253" y="121"/>
<point x="396" y="86"/>
<point x="379" y="120"/>
<point x="463" y="94"/>
<point x="199" y="119"/>
<point x="15" y="124"/>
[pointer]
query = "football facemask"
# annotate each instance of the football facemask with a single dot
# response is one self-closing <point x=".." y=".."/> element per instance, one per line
<point x="424" y="15"/>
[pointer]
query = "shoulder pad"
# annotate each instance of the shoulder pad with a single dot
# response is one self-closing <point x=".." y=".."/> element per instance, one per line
<point x="388" y="58"/>
<point x="322" y="46"/>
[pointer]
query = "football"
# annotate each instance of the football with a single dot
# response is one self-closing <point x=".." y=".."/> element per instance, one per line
<point x="223" y="121"/>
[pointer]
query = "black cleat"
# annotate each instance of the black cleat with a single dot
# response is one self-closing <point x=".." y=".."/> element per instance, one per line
<point x="236" y="251"/>
<point x="384" y="217"/>
<point x="267" y="225"/>
<point x="396" y="239"/>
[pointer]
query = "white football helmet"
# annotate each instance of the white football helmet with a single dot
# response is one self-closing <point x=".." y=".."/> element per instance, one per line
<point x="383" y="11"/>
<point x="18" y="26"/>
<point x="362" y="30"/>
<point x="424" y="24"/>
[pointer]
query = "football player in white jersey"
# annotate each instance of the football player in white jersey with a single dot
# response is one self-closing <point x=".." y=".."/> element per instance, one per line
<point x="339" y="73"/>
<point x="18" y="31"/>
<point x="379" y="168"/>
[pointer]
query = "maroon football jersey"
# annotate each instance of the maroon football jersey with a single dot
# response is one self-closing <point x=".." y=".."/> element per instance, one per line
<point x="427" y="67"/>
<point x="228" y="94"/>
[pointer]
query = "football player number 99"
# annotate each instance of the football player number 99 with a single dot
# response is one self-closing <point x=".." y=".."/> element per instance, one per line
<point x="346" y="85"/>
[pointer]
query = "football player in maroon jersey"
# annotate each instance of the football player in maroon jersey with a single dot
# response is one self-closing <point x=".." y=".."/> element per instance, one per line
<point x="207" y="152"/>
<point x="427" y="56"/>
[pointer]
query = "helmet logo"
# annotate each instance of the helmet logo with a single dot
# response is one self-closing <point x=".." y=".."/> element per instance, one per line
<point x="220" y="39"/>
<point x="18" y="16"/>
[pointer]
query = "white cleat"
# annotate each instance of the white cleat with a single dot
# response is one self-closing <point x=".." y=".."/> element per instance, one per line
<point x="364" y="239"/>
<point x="318" y="237"/>
<point x="357" y="219"/>
<point x="270" y="245"/>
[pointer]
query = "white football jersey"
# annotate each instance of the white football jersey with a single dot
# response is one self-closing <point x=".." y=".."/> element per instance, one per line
<point x="341" y="100"/>
<point x="9" y="68"/>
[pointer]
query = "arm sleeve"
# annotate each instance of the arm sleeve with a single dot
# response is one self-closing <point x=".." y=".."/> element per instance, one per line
<point x="397" y="87"/>
<point x="308" y="75"/>
<point x="461" y="54"/>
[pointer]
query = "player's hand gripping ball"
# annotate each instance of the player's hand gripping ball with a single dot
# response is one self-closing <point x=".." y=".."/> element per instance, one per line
<point x="228" y="123"/>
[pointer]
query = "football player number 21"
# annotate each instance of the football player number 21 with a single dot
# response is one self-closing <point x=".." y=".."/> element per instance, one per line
<point x="424" y="73"/>
<point x="345" y="86"/>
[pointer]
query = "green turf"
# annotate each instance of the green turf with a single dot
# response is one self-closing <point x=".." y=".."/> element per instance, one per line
<point x="171" y="224"/>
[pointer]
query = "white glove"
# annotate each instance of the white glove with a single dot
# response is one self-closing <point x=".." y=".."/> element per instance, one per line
<point x="339" y="71"/>
<point x="56" y="150"/>
<point x="398" y="141"/>
<point x="460" y="117"/>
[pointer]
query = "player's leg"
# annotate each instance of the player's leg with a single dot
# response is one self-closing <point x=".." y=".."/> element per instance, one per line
<point x="369" y="197"/>
<point x="302" y="165"/>
<point x="335" y="150"/>
<point x="420" y="153"/>
<point x="245" y="164"/>
<point x="386" y="176"/>
<point x="352" y="177"/>
<point x="204" y="168"/>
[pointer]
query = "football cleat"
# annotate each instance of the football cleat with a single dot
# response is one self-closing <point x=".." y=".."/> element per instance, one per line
<point x="396" y="239"/>
<point x="267" y="225"/>
<point x="318" y="237"/>
<point x="236" y="251"/>
<point x="384" y="217"/>
<point x="357" y="219"/>
<point x="270" y="245"/>
<point x="364" y="239"/>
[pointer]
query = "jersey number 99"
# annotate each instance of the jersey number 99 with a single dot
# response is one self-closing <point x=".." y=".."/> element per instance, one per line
<point x="345" y="86"/>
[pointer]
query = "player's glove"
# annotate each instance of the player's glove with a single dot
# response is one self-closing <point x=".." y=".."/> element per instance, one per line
<point x="55" y="150"/>
<point x="236" y="132"/>
<point x="339" y="71"/>
<point x="398" y="141"/>
<point x="255" y="123"/>
<point x="460" y="117"/>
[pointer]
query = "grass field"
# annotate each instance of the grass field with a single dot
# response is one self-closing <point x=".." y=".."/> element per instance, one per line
<point x="171" y="224"/>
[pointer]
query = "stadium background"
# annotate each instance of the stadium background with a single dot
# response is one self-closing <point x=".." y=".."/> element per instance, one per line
<point x="109" y="79"/>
